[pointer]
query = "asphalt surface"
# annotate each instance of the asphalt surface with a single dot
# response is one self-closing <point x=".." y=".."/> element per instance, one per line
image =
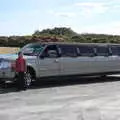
<point x="76" y="99"/>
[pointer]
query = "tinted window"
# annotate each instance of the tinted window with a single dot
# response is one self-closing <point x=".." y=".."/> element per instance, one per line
<point x="115" y="50"/>
<point x="102" y="51"/>
<point x="68" y="50"/>
<point x="86" y="50"/>
<point x="50" y="50"/>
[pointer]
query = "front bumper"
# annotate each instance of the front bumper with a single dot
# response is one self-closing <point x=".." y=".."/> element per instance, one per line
<point x="7" y="74"/>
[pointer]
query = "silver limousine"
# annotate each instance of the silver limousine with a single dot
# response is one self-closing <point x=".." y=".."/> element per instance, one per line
<point x="63" y="59"/>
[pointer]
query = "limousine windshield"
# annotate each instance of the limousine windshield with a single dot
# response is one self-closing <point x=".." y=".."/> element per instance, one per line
<point x="32" y="49"/>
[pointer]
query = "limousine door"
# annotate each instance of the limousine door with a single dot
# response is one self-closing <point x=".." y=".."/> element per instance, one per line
<point x="68" y="60"/>
<point x="87" y="60"/>
<point x="49" y="63"/>
<point x="114" y="58"/>
<point x="102" y="59"/>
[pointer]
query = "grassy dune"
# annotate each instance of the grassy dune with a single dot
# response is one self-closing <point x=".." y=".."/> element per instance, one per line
<point x="4" y="50"/>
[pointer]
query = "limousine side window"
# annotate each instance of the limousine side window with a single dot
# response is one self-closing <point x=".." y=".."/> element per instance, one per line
<point x="68" y="50"/>
<point x="50" y="52"/>
<point x="102" y="51"/>
<point x="86" y="51"/>
<point x="115" y="50"/>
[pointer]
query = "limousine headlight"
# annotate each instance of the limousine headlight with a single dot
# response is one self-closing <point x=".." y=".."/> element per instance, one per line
<point x="5" y="64"/>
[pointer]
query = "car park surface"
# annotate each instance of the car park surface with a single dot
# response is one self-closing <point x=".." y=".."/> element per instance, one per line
<point x="76" y="99"/>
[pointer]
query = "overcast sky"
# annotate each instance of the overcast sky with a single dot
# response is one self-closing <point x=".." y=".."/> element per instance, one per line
<point x="23" y="17"/>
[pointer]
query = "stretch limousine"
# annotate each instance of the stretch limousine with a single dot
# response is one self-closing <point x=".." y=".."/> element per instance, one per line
<point x="63" y="59"/>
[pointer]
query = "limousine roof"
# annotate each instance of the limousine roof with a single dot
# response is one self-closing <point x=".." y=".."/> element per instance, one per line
<point x="73" y="43"/>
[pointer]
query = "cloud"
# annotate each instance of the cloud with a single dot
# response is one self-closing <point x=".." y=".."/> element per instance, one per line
<point x="91" y="8"/>
<point x="87" y="9"/>
<point x="62" y="14"/>
<point x="114" y="27"/>
<point x="89" y="4"/>
<point x="103" y="28"/>
<point x="66" y="14"/>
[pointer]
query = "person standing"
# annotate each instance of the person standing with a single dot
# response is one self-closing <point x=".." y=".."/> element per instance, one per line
<point x="21" y="68"/>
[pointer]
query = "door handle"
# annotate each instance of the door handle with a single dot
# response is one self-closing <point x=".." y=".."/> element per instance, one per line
<point x="56" y="61"/>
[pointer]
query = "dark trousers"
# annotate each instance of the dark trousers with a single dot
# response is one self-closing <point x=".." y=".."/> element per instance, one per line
<point x="21" y="80"/>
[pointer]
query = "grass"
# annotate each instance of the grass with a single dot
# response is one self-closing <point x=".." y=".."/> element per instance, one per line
<point x="4" y="50"/>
